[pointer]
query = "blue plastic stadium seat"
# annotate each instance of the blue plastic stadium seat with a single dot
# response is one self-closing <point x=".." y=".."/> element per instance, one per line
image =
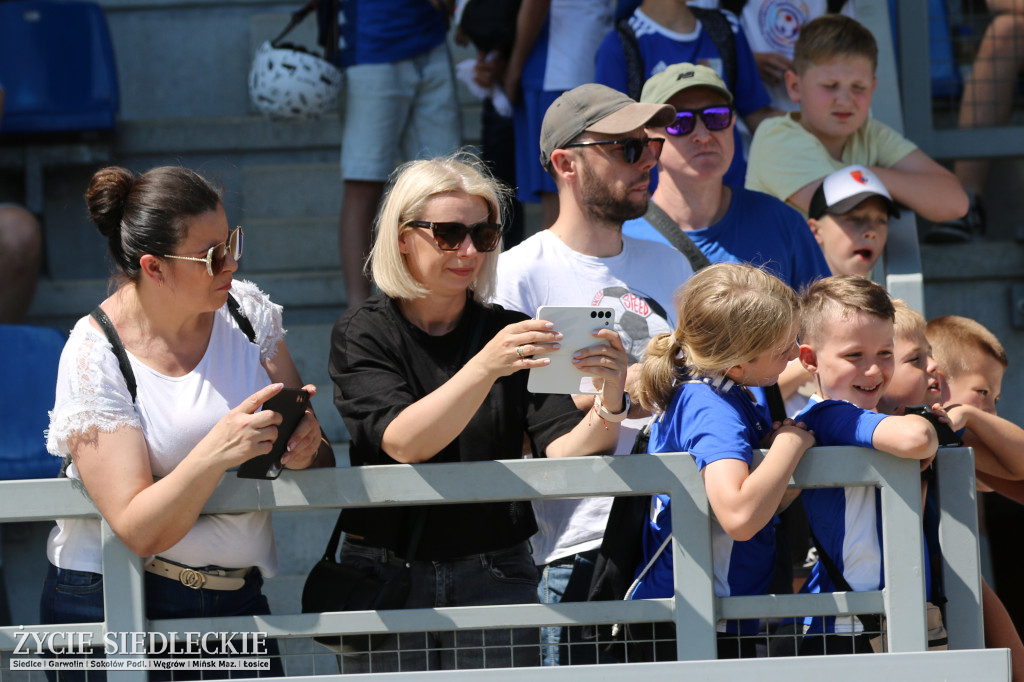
<point x="30" y="356"/>
<point x="56" y="67"/>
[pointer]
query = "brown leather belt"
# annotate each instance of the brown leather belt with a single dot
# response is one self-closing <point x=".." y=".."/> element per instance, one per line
<point x="209" y="579"/>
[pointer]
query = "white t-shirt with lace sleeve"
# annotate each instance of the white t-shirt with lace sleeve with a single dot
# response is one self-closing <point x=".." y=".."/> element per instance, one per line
<point x="174" y="414"/>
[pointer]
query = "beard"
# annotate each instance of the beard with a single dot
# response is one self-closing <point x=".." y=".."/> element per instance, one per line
<point x="608" y="203"/>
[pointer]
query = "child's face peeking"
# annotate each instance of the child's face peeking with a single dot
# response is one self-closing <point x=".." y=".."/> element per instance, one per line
<point x="852" y="242"/>
<point x="915" y="379"/>
<point x="981" y="386"/>
<point x="853" y="361"/>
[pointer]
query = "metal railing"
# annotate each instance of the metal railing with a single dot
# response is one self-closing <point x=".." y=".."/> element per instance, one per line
<point x="694" y="609"/>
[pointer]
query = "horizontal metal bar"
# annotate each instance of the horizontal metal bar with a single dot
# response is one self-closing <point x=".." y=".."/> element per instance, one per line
<point x="788" y="605"/>
<point x="403" y="484"/>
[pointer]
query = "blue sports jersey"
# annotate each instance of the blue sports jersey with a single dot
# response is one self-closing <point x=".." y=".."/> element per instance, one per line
<point x="660" y="48"/>
<point x="385" y="31"/>
<point x="845" y="521"/>
<point x="757" y="229"/>
<point x="711" y="424"/>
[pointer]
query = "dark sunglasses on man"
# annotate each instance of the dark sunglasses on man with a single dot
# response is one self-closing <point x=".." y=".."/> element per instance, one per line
<point x="632" y="147"/>
<point x="217" y="255"/>
<point x="715" y="118"/>
<point x="449" y="236"/>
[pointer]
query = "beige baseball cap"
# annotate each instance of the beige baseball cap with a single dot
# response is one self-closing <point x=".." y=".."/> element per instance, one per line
<point x="661" y="87"/>
<point x="595" y="108"/>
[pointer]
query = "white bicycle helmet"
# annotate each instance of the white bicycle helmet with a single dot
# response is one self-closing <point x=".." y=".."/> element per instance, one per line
<point x="288" y="83"/>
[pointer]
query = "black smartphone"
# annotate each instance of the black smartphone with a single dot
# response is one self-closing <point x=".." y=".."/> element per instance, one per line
<point x="947" y="436"/>
<point x="291" y="404"/>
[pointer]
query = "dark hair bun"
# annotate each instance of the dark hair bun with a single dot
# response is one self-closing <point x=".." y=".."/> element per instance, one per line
<point x="106" y="196"/>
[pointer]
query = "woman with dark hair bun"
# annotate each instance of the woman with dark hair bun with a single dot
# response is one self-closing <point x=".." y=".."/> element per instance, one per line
<point x="150" y="442"/>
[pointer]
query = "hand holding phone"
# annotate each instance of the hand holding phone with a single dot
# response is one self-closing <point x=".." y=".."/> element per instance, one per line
<point x="291" y="404"/>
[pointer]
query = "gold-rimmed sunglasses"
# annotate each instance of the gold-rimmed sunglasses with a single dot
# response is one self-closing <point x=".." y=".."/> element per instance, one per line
<point x="218" y="255"/>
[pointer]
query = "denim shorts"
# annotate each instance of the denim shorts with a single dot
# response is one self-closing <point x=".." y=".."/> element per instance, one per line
<point x="398" y="111"/>
<point x="506" y="576"/>
<point x="71" y="596"/>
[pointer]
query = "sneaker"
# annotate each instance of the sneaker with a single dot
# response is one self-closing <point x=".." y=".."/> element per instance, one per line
<point x="960" y="230"/>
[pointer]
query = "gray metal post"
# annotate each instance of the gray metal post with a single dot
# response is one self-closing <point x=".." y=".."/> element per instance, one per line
<point x="958" y="538"/>
<point x="695" y="608"/>
<point x="124" y="596"/>
<point x="903" y="558"/>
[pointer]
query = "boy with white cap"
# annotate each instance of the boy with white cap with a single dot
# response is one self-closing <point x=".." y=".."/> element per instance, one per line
<point x="849" y="216"/>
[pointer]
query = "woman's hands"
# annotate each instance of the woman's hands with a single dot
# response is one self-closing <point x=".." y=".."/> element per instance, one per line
<point x="517" y="346"/>
<point x="244" y="432"/>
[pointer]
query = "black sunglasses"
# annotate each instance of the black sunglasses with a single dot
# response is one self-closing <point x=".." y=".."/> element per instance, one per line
<point x="449" y="236"/>
<point x="715" y="118"/>
<point x="632" y="147"/>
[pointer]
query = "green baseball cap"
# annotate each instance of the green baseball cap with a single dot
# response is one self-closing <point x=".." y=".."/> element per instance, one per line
<point x="661" y="87"/>
<point x="595" y="108"/>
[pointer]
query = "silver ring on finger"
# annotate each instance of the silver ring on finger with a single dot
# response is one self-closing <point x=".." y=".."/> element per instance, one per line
<point x="519" y="352"/>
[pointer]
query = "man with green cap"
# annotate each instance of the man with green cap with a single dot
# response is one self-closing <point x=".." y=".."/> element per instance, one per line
<point x="726" y="223"/>
<point x="593" y="143"/>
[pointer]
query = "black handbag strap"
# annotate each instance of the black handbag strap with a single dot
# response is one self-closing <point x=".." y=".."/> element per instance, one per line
<point x="676" y="236"/>
<point x="122" y="357"/>
<point x="115" y="342"/>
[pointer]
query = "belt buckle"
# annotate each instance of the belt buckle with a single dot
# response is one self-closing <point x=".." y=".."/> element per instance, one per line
<point x="192" y="578"/>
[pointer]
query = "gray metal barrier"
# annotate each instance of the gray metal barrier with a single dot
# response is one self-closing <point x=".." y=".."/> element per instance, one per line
<point x="695" y="610"/>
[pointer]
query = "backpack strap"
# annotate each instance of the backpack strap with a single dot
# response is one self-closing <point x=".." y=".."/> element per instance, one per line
<point x="719" y="29"/>
<point x="635" y="76"/>
<point x="834" y="6"/>
<point x="676" y="236"/>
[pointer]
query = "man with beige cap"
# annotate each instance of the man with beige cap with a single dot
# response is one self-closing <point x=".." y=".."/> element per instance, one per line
<point x="593" y="143"/>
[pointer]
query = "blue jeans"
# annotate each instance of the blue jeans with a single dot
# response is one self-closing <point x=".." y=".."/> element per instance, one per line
<point x="566" y="579"/>
<point x="505" y="576"/>
<point x="77" y="597"/>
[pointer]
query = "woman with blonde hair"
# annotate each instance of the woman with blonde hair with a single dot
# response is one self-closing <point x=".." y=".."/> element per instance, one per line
<point x="426" y="371"/>
<point x="737" y="328"/>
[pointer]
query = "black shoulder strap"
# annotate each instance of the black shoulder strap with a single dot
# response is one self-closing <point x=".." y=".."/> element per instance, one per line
<point x="676" y="236"/>
<point x="243" y="322"/>
<point x="720" y="31"/>
<point x="870" y="621"/>
<point x="115" y="342"/>
<point x="635" y="75"/>
<point x="734" y="6"/>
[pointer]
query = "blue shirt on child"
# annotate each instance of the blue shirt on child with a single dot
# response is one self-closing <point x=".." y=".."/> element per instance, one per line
<point x="711" y="424"/>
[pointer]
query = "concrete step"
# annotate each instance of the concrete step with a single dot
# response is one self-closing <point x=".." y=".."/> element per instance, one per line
<point x="284" y="244"/>
<point x="297" y="190"/>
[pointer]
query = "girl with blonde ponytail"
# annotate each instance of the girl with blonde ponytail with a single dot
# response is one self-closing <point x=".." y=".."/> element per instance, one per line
<point x="737" y="328"/>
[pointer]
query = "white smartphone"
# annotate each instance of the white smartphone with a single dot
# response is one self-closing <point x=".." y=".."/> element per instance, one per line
<point x="577" y="325"/>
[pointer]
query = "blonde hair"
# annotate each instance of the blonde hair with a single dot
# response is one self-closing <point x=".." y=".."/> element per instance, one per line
<point x="909" y="322"/>
<point x="953" y="338"/>
<point x="411" y="185"/>
<point x="841" y="296"/>
<point x="833" y="36"/>
<point x="728" y="314"/>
